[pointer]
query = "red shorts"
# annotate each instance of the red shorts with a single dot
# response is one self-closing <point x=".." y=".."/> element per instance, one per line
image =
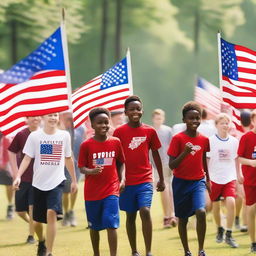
<point x="250" y="194"/>
<point x="223" y="190"/>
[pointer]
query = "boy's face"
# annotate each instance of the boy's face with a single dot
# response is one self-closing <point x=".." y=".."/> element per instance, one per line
<point x="134" y="111"/>
<point x="157" y="120"/>
<point x="100" y="124"/>
<point x="192" y="119"/>
<point x="223" y="125"/>
<point x="33" y="121"/>
<point x="51" y="120"/>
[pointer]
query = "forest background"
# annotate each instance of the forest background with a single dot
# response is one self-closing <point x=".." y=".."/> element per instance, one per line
<point x="171" y="41"/>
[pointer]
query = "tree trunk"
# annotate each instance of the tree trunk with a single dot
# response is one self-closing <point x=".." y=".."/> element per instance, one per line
<point x="14" y="42"/>
<point x="118" y="30"/>
<point x="104" y="27"/>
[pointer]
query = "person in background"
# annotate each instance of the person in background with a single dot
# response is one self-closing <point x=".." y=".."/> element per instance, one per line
<point x="165" y="135"/>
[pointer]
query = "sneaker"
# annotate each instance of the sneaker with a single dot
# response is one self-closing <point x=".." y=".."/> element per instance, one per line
<point x="253" y="248"/>
<point x="10" y="212"/>
<point x="65" y="221"/>
<point x="243" y="229"/>
<point x="72" y="219"/>
<point x="135" y="254"/>
<point x="41" y="250"/>
<point x="237" y="223"/>
<point x="220" y="235"/>
<point x="30" y="240"/>
<point x="202" y="253"/>
<point x="230" y="241"/>
<point x="188" y="253"/>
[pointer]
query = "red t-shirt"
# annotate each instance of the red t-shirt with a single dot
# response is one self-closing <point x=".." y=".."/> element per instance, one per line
<point x="191" y="168"/>
<point x="246" y="148"/>
<point x="136" y="143"/>
<point x="16" y="147"/>
<point x="93" y="153"/>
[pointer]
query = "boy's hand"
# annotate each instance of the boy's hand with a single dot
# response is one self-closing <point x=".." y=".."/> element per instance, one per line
<point x="122" y="186"/>
<point x="160" y="186"/>
<point x="188" y="147"/>
<point x="209" y="186"/>
<point x="73" y="187"/>
<point x="16" y="183"/>
<point x="240" y="179"/>
<point x="96" y="170"/>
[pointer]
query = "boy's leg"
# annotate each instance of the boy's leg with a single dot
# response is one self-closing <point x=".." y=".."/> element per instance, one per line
<point x="146" y="228"/>
<point x="251" y="221"/>
<point x="95" y="239"/>
<point x="131" y="229"/>
<point x="65" y="204"/>
<point x="112" y="241"/>
<point x="200" y="227"/>
<point x="39" y="230"/>
<point x="182" y="227"/>
<point x="230" y="205"/>
<point x="216" y="213"/>
<point x="51" y="229"/>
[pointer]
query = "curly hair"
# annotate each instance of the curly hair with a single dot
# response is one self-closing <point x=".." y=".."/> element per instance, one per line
<point x="191" y="105"/>
<point x="131" y="99"/>
<point x="97" y="111"/>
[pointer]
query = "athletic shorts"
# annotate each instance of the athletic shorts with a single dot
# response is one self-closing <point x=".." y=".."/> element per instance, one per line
<point x="222" y="190"/>
<point x="5" y="178"/>
<point x="45" y="200"/>
<point x="250" y="194"/>
<point x="103" y="214"/>
<point x="24" y="197"/>
<point x="67" y="182"/>
<point x="188" y="196"/>
<point x="135" y="197"/>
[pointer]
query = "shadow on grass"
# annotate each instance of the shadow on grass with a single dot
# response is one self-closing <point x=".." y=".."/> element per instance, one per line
<point x="12" y="245"/>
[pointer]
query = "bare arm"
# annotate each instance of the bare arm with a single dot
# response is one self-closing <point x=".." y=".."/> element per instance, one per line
<point x="69" y="163"/>
<point x="208" y="183"/>
<point x="121" y="175"/>
<point x="160" y="185"/>
<point x="246" y="161"/>
<point x="240" y="177"/>
<point x="13" y="164"/>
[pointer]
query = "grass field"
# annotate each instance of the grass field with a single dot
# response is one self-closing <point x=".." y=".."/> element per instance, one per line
<point x="76" y="241"/>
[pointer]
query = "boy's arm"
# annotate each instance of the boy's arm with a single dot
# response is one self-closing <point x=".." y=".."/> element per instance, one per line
<point x="208" y="183"/>
<point x="121" y="175"/>
<point x="174" y="162"/>
<point x="13" y="163"/>
<point x="240" y="177"/>
<point x="247" y="161"/>
<point x="158" y="163"/>
<point x="23" y="167"/>
<point x="87" y="171"/>
<point x="69" y="163"/>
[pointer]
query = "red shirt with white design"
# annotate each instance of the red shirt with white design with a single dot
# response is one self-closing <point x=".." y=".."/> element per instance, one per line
<point x="191" y="168"/>
<point x="94" y="153"/>
<point x="136" y="143"/>
<point x="247" y="149"/>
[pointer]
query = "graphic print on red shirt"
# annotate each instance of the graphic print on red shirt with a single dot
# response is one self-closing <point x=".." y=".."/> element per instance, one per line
<point x="136" y="143"/>
<point x="191" y="168"/>
<point x="93" y="153"/>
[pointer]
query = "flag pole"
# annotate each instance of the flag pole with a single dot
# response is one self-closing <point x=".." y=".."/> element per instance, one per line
<point x="220" y="65"/>
<point x="128" y="56"/>
<point x="66" y="58"/>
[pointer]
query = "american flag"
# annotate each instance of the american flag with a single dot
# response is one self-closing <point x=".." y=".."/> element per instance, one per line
<point x="36" y="85"/>
<point x="108" y="90"/>
<point x="209" y="97"/>
<point x="50" y="152"/>
<point x="238" y="78"/>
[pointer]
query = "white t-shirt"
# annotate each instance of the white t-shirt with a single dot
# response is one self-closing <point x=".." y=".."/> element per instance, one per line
<point x="222" y="165"/>
<point x="207" y="128"/>
<point x="49" y="152"/>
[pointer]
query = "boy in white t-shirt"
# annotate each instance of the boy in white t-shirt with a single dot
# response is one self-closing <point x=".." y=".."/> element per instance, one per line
<point x="223" y="167"/>
<point x="51" y="150"/>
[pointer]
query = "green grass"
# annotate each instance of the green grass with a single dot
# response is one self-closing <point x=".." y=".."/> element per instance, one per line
<point x="76" y="241"/>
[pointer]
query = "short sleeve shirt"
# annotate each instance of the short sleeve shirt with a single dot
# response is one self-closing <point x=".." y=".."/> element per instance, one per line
<point x="136" y="144"/>
<point x="191" y="168"/>
<point x="246" y="149"/>
<point x="16" y="147"/>
<point x="93" y="153"/>
<point x="49" y="152"/>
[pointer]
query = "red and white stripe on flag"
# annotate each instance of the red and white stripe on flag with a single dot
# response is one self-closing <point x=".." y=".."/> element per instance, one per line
<point x="238" y="78"/>
<point x="108" y="90"/>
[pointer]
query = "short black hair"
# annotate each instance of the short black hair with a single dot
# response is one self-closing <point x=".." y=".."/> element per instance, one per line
<point x="191" y="105"/>
<point x="97" y="111"/>
<point x="131" y="99"/>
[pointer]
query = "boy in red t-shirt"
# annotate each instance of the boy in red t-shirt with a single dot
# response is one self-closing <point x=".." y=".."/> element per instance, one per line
<point x="137" y="139"/>
<point x="101" y="159"/>
<point x="187" y="154"/>
<point x="247" y="157"/>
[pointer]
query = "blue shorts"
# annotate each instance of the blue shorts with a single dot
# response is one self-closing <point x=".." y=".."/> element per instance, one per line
<point x="134" y="197"/>
<point x="103" y="214"/>
<point x="188" y="196"/>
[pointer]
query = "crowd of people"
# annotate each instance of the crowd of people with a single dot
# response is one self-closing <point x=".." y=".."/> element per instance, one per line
<point x="197" y="166"/>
